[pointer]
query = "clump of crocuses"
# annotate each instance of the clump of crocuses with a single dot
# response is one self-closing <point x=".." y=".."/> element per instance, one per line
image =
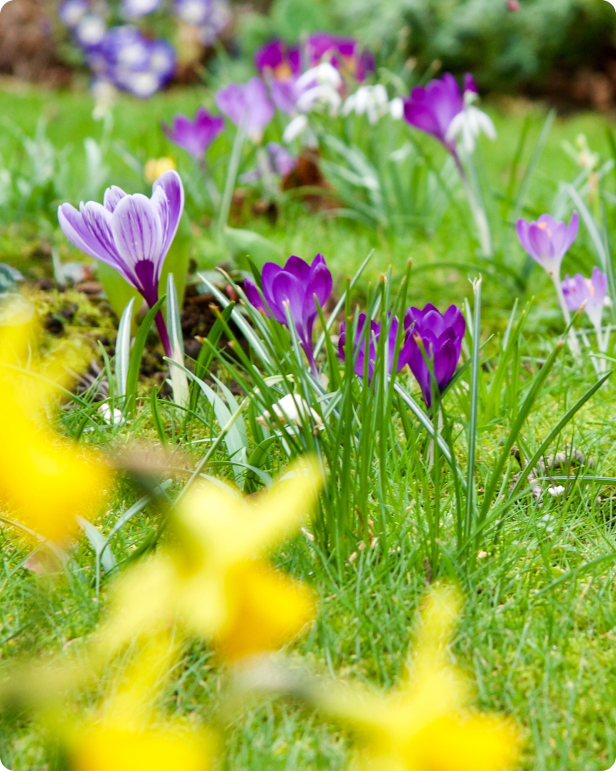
<point x="435" y="341"/>
<point x="131" y="233"/>
<point x="364" y="358"/>
<point x="293" y="291"/>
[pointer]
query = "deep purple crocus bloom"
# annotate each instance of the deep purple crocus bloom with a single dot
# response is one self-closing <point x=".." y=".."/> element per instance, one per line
<point x="296" y="286"/>
<point x="342" y="52"/>
<point x="246" y="104"/>
<point x="373" y="344"/>
<point x="441" y="336"/>
<point x="547" y="241"/>
<point x="131" y="233"/>
<point x="592" y="291"/>
<point x="433" y="108"/>
<point x="278" y="60"/>
<point x="195" y="136"/>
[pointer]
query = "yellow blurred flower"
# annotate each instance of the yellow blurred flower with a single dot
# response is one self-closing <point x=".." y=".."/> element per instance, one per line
<point x="425" y="724"/>
<point x="155" y="167"/>
<point x="210" y="578"/>
<point x="45" y="480"/>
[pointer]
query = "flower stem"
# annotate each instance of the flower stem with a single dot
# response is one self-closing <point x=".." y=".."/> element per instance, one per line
<point x="164" y="334"/>
<point x="574" y="344"/>
<point x="479" y="215"/>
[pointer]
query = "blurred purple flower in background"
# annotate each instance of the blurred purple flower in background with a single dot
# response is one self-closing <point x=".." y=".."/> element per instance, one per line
<point x="441" y="336"/>
<point x="278" y="162"/>
<point x="294" y="286"/>
<point x="71" y="12"/>
<point x="373" y="343"/>
<point x="209" y="16"/>
<point x="547" y="241"/>
<point x="278" y="60"/>
<point x="90" y="31"/>
<point x="433" y="108"/>
<point x="135" y="9"/>
<point x="131" y="233"/>
<point x="247" y="104"/>
<point x="195" y="136"/>
<point x="343" y="53"/>
<point x="592" y="291"/>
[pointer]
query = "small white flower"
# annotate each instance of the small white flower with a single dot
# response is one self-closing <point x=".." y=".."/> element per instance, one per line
<point x="396" y="108"/>
<point x="295" y="129"/>
<point x="468" y="124"/>
<point x="323" y="74"/>
<point x="556" y="491"/>
<point x="117" y="420"/>
<point x="292" y="408"/>
<point x="368" y="100"/>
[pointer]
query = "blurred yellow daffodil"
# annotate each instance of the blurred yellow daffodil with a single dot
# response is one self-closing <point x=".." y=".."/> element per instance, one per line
<point x="211" y="578"/>
<point x="127" y="738"/>
<point x="425" y="724"/>
<point x="45" y="480"/>
<point x="156" y="167"/>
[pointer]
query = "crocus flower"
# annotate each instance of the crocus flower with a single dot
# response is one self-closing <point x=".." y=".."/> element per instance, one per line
<point x="592" y="291"/>
<point x="247" y="104"/>
<point x="342" y="52"/>
<point x="195" y="136"/>
<point x="131" y="233"/>
<point x="373" y="344"/>
<point x="278" y="60"/>
<point x="432" y="109"/>
<point x="295" y="286"/>
<point x="135" y="9"/>
<point x="425" y="723"/>
<point x="441" y="337"/>
<point x="209" y="579"/>
<point x="547" y="241"/>
<point x="71" y="12"/>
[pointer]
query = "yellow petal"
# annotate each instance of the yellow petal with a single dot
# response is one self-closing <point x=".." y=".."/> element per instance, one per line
<point x="477" y="743"/>
<point x="114" y="749"/>
<point x="269" y="609"/>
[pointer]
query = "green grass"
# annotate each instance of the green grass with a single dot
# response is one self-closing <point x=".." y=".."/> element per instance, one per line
<point x="537" y="631"/>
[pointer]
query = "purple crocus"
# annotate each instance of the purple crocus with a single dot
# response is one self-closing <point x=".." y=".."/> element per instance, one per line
<point x="592" y="291"/>
<point x="246" y="104"/>
<point x="441" y="337"/>
<point x="131" y="233"/>
<point x="433" y="108"/>
<point x="195" y="136"/>
<point x="297" y="286"/>
<point x="373" y="344"/>
<point x="547" y="241"/>
<point x="342" y="52"/>
<point x="278" y="60"/>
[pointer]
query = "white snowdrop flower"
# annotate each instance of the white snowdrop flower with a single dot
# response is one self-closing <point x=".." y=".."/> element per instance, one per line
<point x="295" y="128"/>
<point x="318" y="88"/>
<point x="323" y="74"/>
<point x="368" y="100"/>
<point x="468" y="124"/>
<point x="117" y="419"/>
<point x="292" y="408"/>
<point x="556" y="491"/>
<point x="396" y="108"/>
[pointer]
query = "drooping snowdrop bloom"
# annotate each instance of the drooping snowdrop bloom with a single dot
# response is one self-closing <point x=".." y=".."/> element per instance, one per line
<point x="293" y="408"/>
<point x="131" y="233"/>
<point x="196" y="135"/>
<point x="317" y="90"/>
<point x="371" y="101"/>
<point x="71" y="12"/>
<point x="440" y="335"/>
<point x="247" y="105"/>
<point x="295" y="288"/>
<point x="468" y="124"/>
<point x="360" y="354"/>
<point x="592" y="291"/>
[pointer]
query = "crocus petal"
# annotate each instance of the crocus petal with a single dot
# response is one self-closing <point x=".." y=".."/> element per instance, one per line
<point x="540" y="242"/>
<point x="254" y="296"/>
<point x="288" y="290"/>
<point x="169" y="205"/>
<point x="137" y="230"/>
<point x="76" y="230"/>
<point x="113" y="195"/>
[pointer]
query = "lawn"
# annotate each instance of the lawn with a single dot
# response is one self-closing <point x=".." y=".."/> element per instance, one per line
<point x="536" y="633"/>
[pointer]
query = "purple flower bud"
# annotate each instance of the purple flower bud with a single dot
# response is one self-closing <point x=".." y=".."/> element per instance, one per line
<point x="195" y="136"/>
<point x="294" y="286"/>
<point x="373" y="344"/>
<point x="131" y="233"/>
<point x="592" y="291"/>
<point x="433" y="108"/>
<point x="441" y="336"/>
<point x="246" y="104"/>
<point x="547" y="241"/>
